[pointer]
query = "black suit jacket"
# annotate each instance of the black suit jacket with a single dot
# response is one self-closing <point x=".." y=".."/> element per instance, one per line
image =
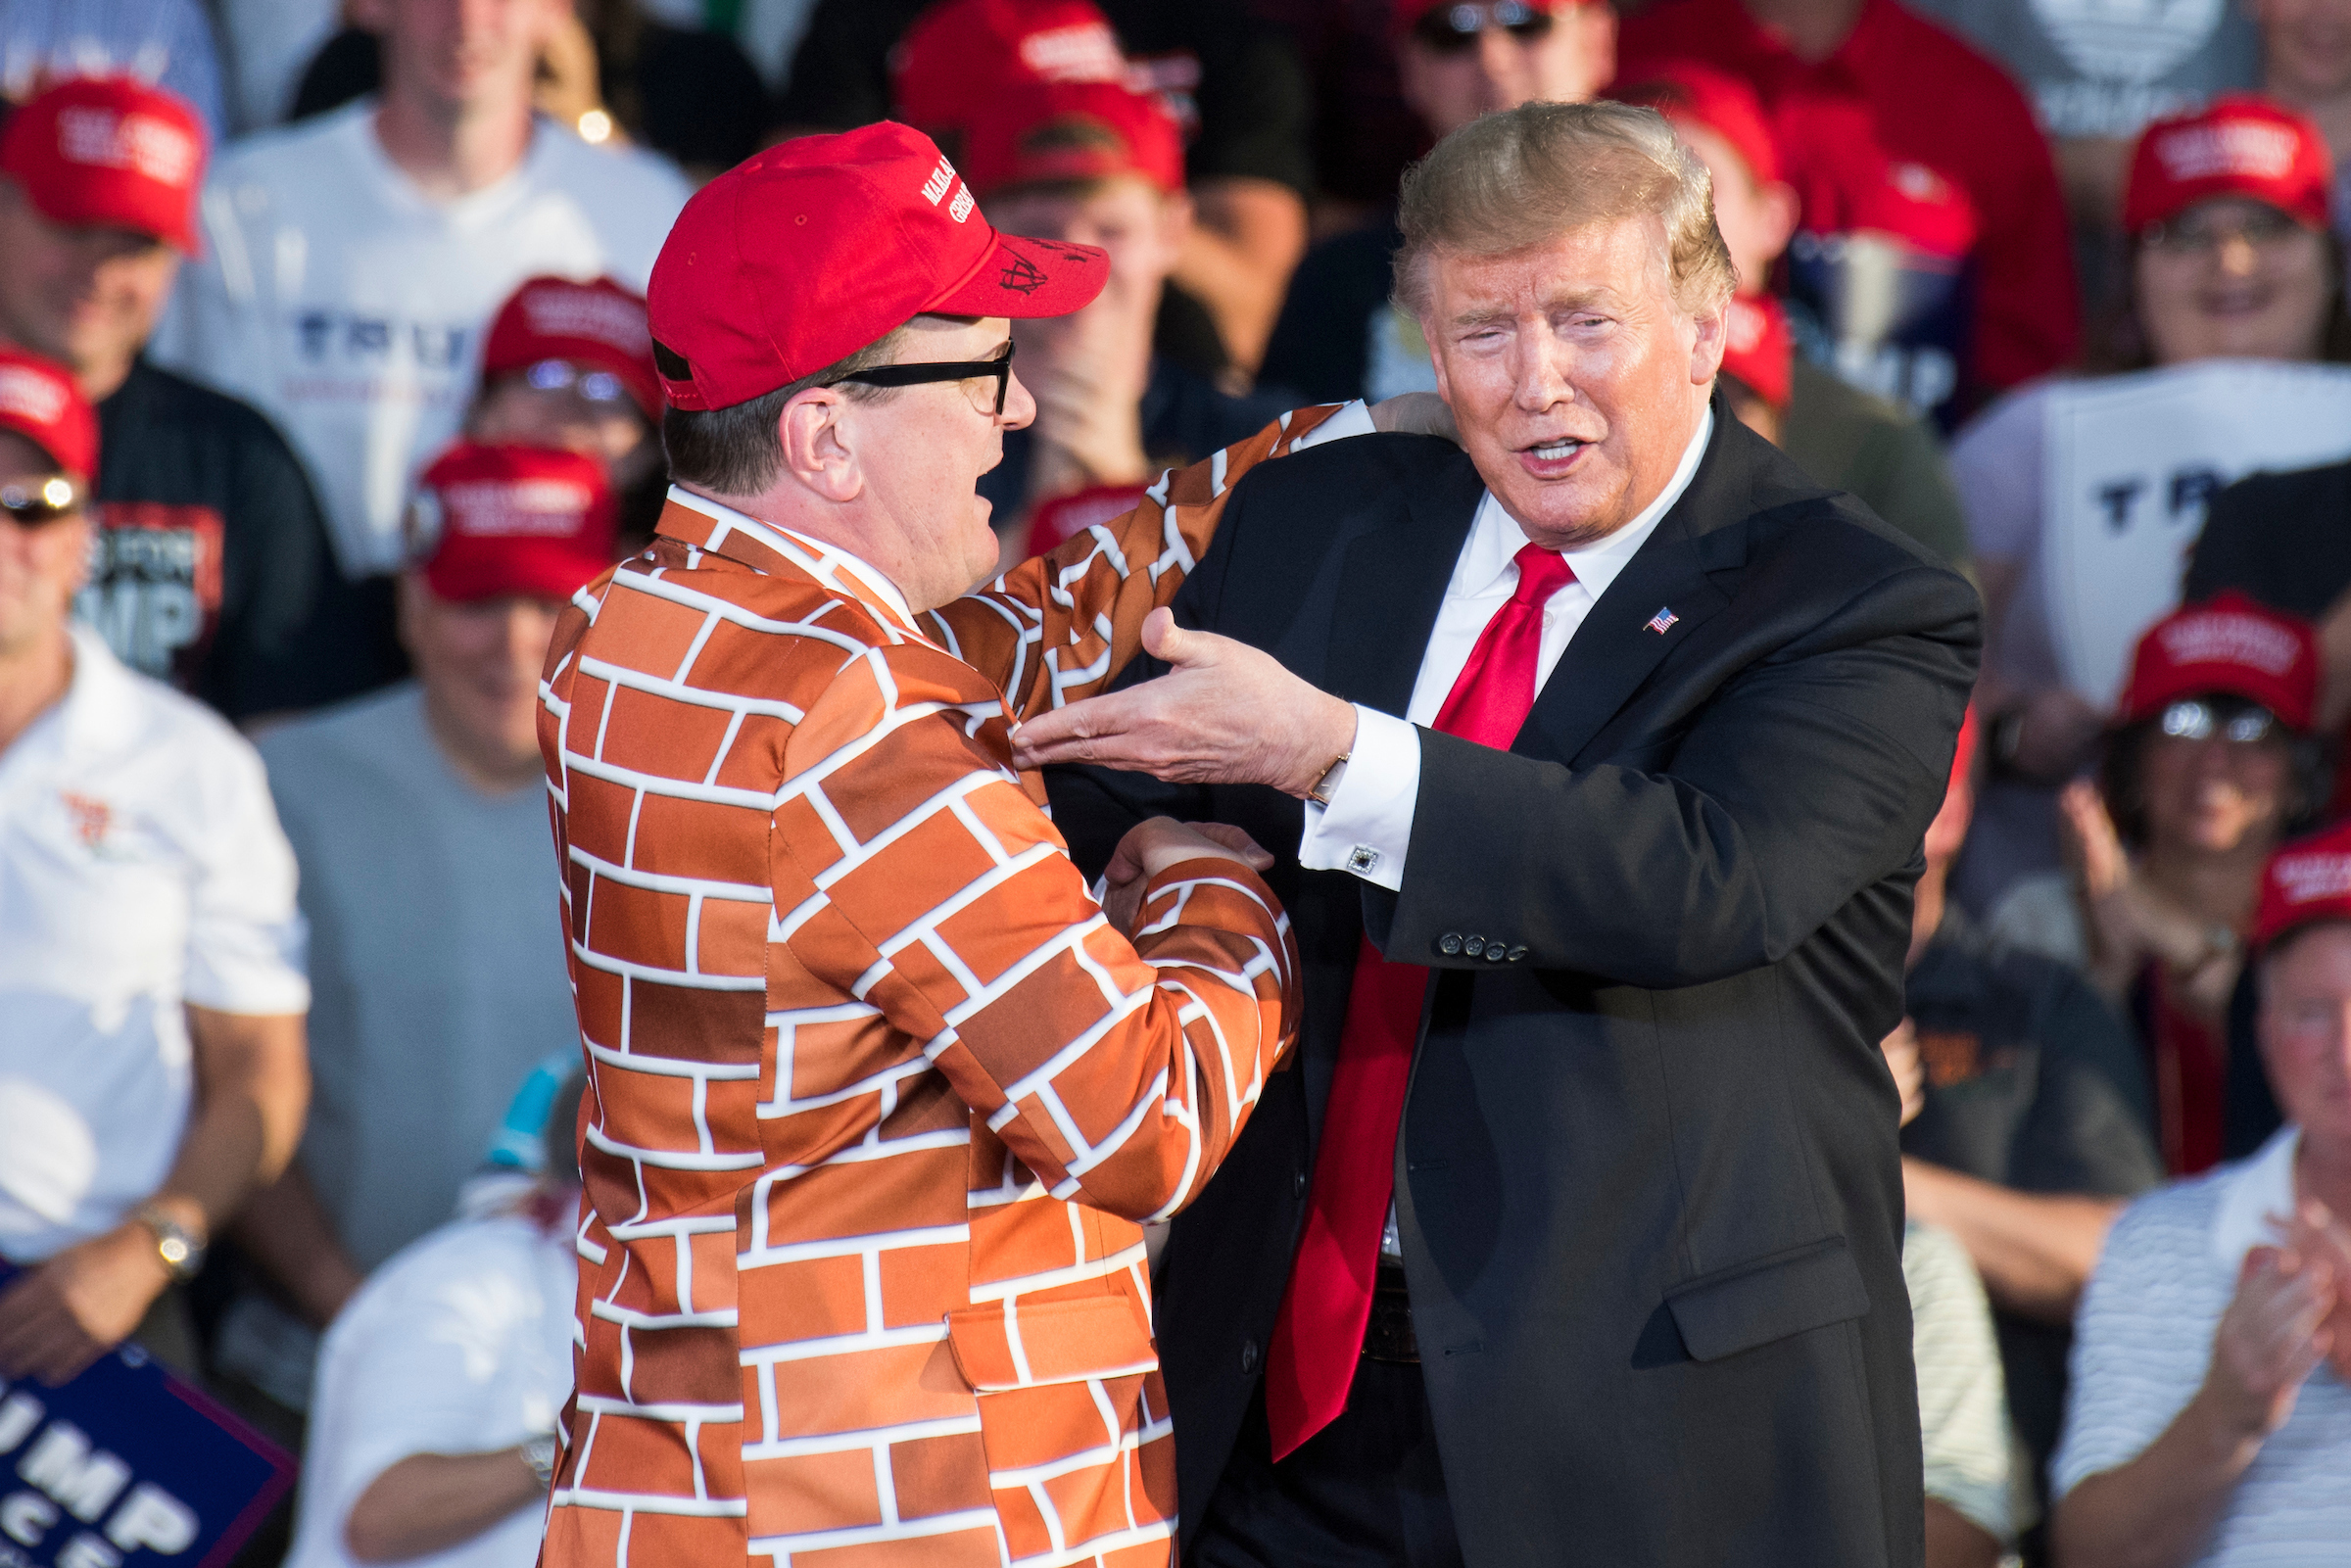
<point x="1648" y="1180"/>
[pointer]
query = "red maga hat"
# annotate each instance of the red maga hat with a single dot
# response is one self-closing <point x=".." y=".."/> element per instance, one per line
<point x="1759" y="350"/>
<point x="961" y="55"/>
<point x="496" y="520"/>
<point x="1688" y="91"/>
<point x="2306" y="881"/>
<point x="1071" y="130"/>
<point x="2241" y="144"/>
<point x="599" y="325"/>
<point x="110" y="152"/>
<point x="823" y="244"/>
<point x="2229" y="645"/>
<point x="40" y="400"/>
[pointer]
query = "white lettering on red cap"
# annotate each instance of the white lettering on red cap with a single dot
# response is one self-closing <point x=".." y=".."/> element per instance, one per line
<point x="2249" y="148"/>
<point x="2312" y="876"/>
<point x="31" y="396"/>
<point x="961" y="207"/>
<point x="2223" y="637"/>
<point x="153" y="148"/>
<point x="936" y="185"/>
<point x="1084" y="50"/>
<point x="500" y="508"/>
<point x="589" y="314"/>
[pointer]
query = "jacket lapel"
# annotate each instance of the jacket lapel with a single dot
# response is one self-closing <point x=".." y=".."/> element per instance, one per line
<point x="1658" y="601"/>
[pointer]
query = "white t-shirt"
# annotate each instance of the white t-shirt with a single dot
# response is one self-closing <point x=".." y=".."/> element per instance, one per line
<point x="141" y="867"/>
<point x="2142" y="1341"/>
<point x="341" y="302"/>
<point x="459" y="1345"/>
<point x="1998" y="464"/>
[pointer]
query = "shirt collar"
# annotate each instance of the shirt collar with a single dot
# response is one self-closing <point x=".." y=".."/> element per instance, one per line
<point x="97" y="705"/>
<point x="1489" y="564"/>
<point x="2250" y="1194"/>
<point x="827" y="563"/>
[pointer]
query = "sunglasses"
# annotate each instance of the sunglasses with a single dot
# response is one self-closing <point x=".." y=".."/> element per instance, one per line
<point x="30" y="502"/>
<point x="2199" y="719"/>
<point x="2205" y="233"/>
<point x="561" y="375"/>
<point x="923" y="372"/>
<point x="1452" y="29"/>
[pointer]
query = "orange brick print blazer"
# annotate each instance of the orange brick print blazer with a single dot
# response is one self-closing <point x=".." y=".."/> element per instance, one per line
<point x="877" y="1096"/>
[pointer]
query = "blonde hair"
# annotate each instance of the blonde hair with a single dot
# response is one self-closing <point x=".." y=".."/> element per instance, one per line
<point x="1526" y="175"/>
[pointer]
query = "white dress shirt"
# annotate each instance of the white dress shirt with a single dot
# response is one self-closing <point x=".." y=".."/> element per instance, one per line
<point x="1368" y="822"/>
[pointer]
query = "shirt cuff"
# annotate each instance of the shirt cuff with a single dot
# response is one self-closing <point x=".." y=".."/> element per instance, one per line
<point x="1369" y="822"/>
<point x="1354" y="419"/>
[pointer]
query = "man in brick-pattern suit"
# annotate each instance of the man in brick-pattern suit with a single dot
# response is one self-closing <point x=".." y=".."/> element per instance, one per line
<point x="878" y="1093"/>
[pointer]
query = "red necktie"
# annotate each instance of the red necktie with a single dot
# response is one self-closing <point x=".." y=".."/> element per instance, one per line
<point x="1319" y="1333"/>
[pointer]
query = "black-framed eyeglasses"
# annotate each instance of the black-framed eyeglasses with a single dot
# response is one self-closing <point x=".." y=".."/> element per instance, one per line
<point x="1454" y="28"/>
<point x="2241" y="723"/>
<point x="924" y="371"/>
<point x="31" y="502"/>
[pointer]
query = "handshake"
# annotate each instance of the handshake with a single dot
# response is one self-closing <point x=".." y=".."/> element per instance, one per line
<point x="1152" y="846"/>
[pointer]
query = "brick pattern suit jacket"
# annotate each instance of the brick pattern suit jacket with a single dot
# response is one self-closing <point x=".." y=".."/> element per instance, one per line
<point x="877" y="1096"/>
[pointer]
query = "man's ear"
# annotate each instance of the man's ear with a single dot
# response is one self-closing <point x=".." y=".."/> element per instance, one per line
<point x="816" y="433"/>
<point x="1714" y="336"/>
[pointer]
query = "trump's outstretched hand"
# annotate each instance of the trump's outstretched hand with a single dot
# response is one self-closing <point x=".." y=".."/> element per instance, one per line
<point x="1224" y="713"/>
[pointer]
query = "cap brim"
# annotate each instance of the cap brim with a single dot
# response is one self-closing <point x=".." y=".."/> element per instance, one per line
<point x="553" y="574"/>
<point x="1028" y="277"/>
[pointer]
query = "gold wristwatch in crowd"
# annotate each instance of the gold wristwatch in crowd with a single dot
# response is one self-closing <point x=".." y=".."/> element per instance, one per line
<point x="180" y="1249"/>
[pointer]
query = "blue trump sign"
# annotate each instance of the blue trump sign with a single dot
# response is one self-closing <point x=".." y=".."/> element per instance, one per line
<point x="128" y="1466"/>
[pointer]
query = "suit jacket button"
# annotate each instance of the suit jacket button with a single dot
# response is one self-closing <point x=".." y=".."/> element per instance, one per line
<point x="1517" y="953"/>
<point x="1298" y="1183"/>
<point x="1449" y="943"/>
<point x="1494" y="953"/>
<point x="1248" y="1355"/>
<point x="1474" y="946"/>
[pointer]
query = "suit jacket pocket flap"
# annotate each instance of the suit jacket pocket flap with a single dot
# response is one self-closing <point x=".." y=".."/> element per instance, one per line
<point x="1022" y="1342"/>
<point x="1766" y="1298"/>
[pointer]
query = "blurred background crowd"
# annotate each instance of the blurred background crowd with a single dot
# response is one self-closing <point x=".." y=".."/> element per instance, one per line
<point x="325" y="381"/>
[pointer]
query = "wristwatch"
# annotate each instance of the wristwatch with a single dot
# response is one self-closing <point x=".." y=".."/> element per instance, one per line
<point x="180" y="1249"/>
<point x="539" y="1455"/>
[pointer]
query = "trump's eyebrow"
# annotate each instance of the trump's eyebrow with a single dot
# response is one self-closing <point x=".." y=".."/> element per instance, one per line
<point x="1567" y="299"/>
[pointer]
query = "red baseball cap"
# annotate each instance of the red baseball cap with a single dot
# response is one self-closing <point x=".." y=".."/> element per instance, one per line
<point x="1759" y="350"/>
<point x="1071" y="130"/>
<point x="599" y="325"/>
<point x="1405" y="15"/>
<point x="2306" y="881"/>
<point x="1690" y="92"/>
<point x="958" y="57"/>
<point x="40" y="400"/>
<point x="814" y="249"/>
<point x="111" y="152"/>
<point x="500" y="520"/>
<point x="2241" y="144"/>
<point x="2227" y="645"/>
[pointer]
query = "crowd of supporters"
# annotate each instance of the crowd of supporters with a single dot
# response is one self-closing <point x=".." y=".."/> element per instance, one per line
<point x="325" y="381"/>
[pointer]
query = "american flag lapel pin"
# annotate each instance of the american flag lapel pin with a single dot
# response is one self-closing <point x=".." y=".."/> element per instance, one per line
<point x="1661" y="622"/>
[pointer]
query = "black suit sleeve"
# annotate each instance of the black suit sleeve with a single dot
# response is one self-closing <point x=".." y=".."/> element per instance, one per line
<point x="1810" y="776"/>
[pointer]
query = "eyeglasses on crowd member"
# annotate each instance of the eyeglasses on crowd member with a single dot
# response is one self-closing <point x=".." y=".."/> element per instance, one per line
<point x="418" y="817"/>
<point x="152" y="1069"/>
<point x="2211" y="1418"/>
<point x="213" y="569"/>
<point x="2211" y="762"/>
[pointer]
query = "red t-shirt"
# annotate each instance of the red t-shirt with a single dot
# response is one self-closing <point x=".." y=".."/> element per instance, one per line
<point x="1907" y="132"/>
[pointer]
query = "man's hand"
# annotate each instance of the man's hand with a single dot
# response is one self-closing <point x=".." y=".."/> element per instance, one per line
<point x="1225" y="713"/>
<point x="1416" y="414"/>
<point x="1151" y="848"/>
<point x="2271" y="1338"/>
<point x="62" y="1315"/>
<point x="1909" y="1072"/>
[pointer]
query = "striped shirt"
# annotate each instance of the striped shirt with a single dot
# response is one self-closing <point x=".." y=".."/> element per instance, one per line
<point x="2143" y="1340"/>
